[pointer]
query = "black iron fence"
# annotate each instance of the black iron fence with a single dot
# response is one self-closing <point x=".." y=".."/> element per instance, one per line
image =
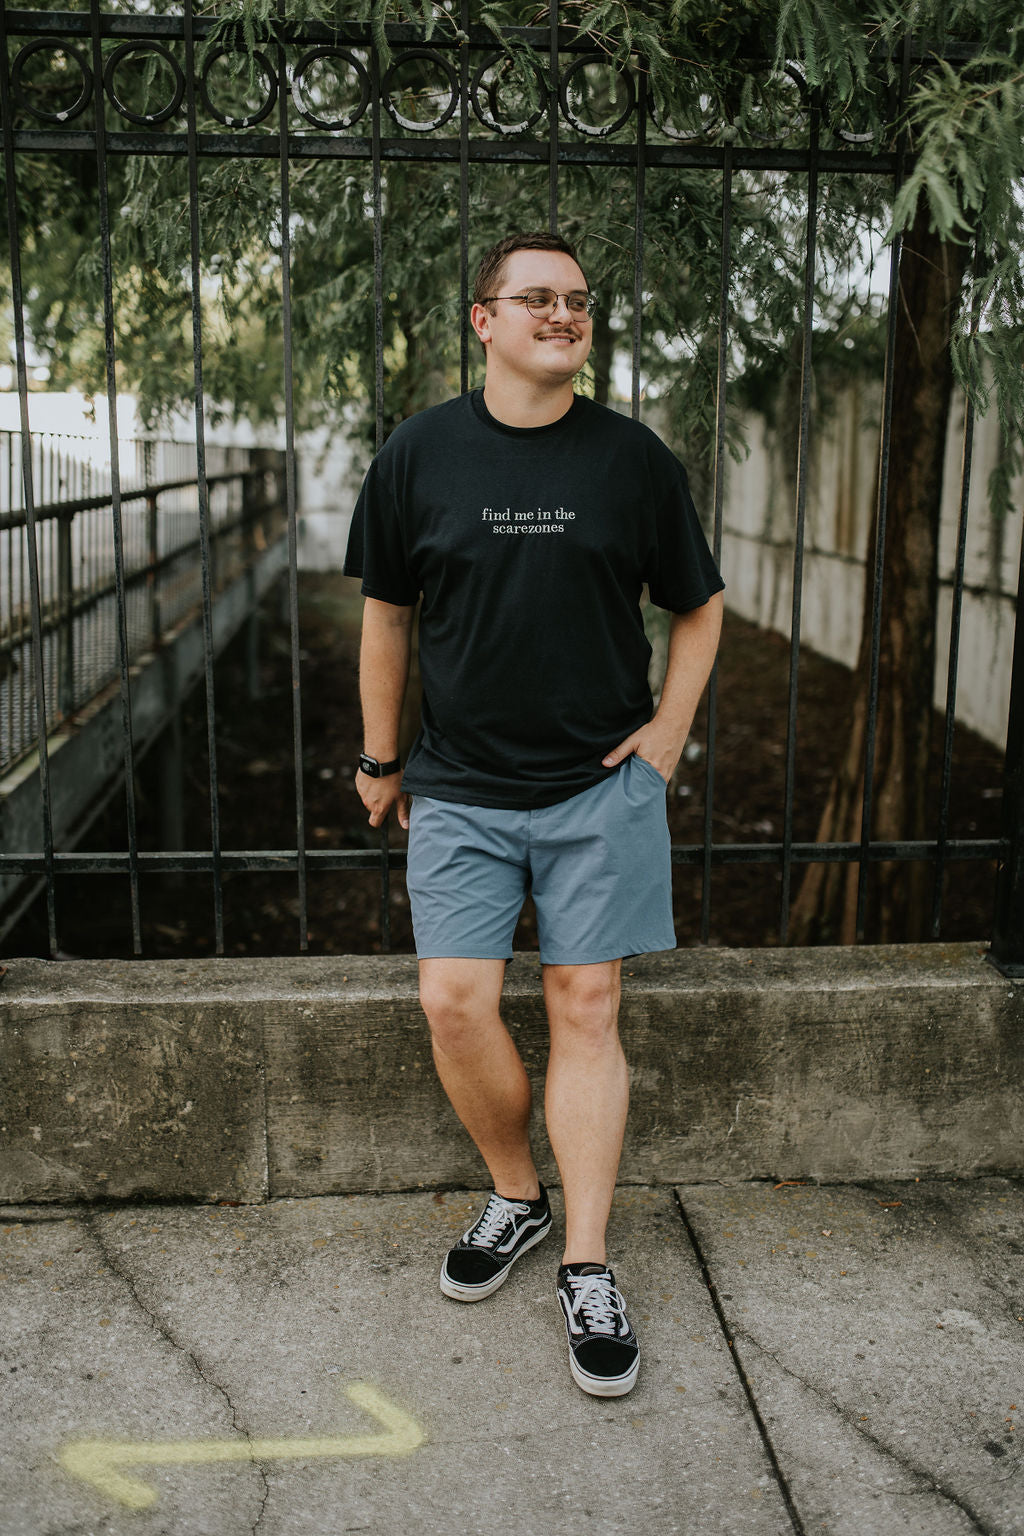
<point x="81" y="615"/>
<point x="78" y="618"/>
<point x="453" y="113"/>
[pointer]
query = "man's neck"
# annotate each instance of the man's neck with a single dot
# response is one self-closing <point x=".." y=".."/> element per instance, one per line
<point x="516" y="407"/>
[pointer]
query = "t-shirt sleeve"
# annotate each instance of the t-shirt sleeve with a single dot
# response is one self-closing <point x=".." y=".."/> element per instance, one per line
<point x="376" y="546"/>
<point x="681" y="573"/>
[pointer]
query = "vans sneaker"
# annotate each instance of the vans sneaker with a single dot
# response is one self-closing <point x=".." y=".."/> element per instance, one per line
<point x="604" y="1356"/>
<point x="483" y="1256"/>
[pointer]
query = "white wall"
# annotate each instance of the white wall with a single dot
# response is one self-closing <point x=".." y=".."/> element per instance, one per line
<point x="758" y="544"/>
<point x="331" y="464"/>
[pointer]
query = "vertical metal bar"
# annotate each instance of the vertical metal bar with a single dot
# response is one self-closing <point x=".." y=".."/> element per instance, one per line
<point x="378" y="374"/>
<point x="27" y="675"/>
<point x="89" y="639"/>
<point x="117" y="522"/>
<point x="638" y="232"/>
<point x="7" y="547"/>
<point x="956" y="610"/>
<point x="465" y="108"/>
<point x="554" y="108"/>
<point x="378" y="256"/>
<point x="202" y="486"/>
<point x="51" y="653"/>
<point x="1008" y="925"/>
<point x="39" y="683"/>
<point x="810" y="253"/>
<point x="250" y="506"/>
<point x="65" y="594"/>
<point x="880" y="526"/>
<point x="719" y="493"/>
<point x="283" y="98"/>
<point x="13" y="632"/>
<point x="876" y="597"/>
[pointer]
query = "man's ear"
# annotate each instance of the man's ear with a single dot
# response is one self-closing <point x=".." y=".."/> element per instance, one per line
<point x="480" y="319"/>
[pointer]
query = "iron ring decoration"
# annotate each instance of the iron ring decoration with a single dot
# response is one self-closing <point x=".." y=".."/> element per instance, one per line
<point x="703" y="130"/>
<point x="850" y="137"/>
<point x="121" y="52"/>
<point x="798" y="117"/>
<point x="604" y="129"/>
<point x="314" y="56"/>
<point x="251" y="118"/>
<point x="453" y="87"/>
<point x="489" y="118"/>
<point x="855" y="138"/>
<point x="59" y="45"/>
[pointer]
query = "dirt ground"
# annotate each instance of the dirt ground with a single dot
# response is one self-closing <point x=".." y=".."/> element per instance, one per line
<point x="257" y="804"/>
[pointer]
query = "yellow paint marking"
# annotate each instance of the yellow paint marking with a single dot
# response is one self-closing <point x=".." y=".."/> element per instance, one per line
<point x="99" y="1461"/>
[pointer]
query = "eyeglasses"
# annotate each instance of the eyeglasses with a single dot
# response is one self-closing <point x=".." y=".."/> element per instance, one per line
<point x="542" y="302"/>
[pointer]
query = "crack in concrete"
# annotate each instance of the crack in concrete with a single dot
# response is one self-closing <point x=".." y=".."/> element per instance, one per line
<point x="929" y="1483"/>
<point x="162" y="1329"/>
<point x="781" y="1481"/>
<point x="264" y="1500"/>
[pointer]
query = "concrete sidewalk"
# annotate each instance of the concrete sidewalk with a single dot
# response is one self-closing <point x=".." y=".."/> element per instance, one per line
<point x="847" y="1359"/>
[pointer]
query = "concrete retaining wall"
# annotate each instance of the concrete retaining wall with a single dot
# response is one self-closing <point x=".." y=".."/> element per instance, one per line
<point x="249" y="1079"/>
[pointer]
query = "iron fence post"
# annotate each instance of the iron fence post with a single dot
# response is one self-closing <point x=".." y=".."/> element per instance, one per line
<point x="66" y="619"/>
<point x="1007" y="952"/>
<point x="152" y="546"/>
<point x="251" y="493"/>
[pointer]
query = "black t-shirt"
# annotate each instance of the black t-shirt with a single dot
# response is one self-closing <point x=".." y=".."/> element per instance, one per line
<point x="530" y="547"/>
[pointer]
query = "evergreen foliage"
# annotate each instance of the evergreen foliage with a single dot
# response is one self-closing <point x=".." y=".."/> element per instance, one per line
<point x="752" y="68"/>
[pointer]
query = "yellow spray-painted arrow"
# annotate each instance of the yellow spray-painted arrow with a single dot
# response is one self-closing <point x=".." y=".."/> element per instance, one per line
<point x="99" y="1461"/>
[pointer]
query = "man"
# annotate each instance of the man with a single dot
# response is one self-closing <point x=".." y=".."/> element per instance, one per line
<point x="526" y="520"/>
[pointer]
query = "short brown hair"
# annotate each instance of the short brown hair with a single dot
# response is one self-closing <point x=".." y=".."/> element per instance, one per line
<point x="491" y="270"/>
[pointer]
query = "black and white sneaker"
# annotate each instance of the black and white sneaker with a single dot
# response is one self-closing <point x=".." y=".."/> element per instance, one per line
<point x="483" y="1256"/>
<point x="604" y="1356"/>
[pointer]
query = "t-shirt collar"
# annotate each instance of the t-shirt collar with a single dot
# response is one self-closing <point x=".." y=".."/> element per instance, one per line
<point x="476" y="399"/>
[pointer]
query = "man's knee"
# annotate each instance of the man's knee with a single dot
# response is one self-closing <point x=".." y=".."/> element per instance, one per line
<point x="458" y="1003"/>
<point x="583" y="1002"/>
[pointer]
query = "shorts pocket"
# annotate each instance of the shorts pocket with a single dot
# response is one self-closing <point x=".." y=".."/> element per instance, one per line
<point x="650" y="768"/>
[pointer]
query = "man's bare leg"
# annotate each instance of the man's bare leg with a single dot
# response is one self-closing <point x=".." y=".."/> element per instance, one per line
<point x="479" y="1067"/>
<point x="586" y="1098"/>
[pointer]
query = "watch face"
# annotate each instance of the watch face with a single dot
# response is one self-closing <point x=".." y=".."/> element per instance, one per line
<point x="370" y="766"/>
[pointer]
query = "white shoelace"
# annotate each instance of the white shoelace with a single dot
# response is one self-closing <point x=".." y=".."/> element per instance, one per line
<point x="498" y="1215"/>
<point x="601" y="1303"/>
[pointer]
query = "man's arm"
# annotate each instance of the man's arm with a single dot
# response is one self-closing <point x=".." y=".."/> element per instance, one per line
<point x="692" y="647"/>
<point x="383" y="675"/>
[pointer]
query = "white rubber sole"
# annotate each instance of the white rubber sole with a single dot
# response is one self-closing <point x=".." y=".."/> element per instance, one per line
<point x="602" y="1386"/>
<point x="459" y="1292"/>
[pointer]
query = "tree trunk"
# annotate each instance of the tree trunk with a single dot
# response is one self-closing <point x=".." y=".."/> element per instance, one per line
<point x="825" y="909"/>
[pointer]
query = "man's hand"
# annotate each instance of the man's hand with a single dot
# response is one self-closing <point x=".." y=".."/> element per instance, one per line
<point x="692" y="643"/>
<point x="379" y="795"/>
<point x="663" y="753"/>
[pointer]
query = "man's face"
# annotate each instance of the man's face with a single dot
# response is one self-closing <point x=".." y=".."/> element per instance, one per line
<point x="517" y="343"/>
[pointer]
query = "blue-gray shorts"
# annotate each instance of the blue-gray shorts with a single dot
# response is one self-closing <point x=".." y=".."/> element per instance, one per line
<point x="598" y="865"/>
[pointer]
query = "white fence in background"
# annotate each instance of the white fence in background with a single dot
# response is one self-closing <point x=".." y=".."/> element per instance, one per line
<point x="758" y="543"/>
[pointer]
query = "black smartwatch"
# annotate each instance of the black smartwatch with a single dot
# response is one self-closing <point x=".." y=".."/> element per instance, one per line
<point x="375" y="770"/>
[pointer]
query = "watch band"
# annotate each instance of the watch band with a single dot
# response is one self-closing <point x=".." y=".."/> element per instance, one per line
<point x="376" y="770"/>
